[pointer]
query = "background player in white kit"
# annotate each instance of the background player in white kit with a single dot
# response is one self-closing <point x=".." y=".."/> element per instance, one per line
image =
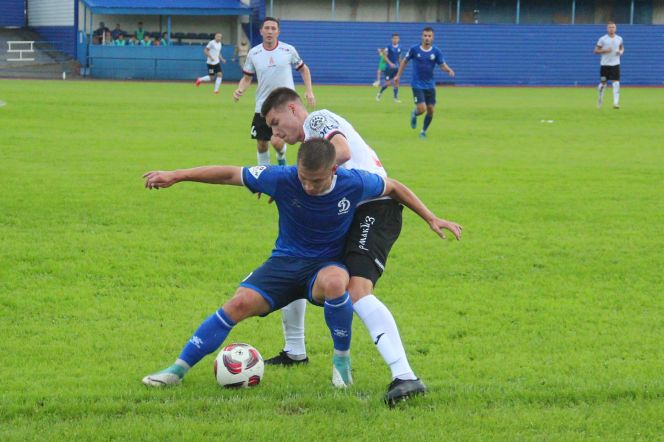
<point x="214" y="59"/>
<point x="272" y="62"/>
<point x="610" y="47"/>
<point x="375" y="228"/>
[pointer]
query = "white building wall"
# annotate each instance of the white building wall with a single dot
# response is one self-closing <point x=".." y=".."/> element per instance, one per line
<point x="50" y="12"/>
<point x="364" y="10"/>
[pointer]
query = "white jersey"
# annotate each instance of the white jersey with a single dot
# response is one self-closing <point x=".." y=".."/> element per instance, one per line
<point x="214" y="49"/>
<point x="325" y="124"/>
<point x="274" y="68"/>
<point x="606" y="42"/>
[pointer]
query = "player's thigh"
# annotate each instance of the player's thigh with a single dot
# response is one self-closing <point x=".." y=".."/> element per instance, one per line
<point x="259" y="129"/>
<point x="614" y="73"/>
<point x="418" y="97"/>
<point x="280" y="280"/>
<point x="375" y="228"/>
<point x="245" y="303"/>
<point x="329" y="282"/>
<point x="430" y="98"/>
<point x="603" y="73"/>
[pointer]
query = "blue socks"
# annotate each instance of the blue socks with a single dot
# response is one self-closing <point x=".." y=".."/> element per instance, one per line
<point x="382" y="89"/>
<point x="427" y="122"/>
<point x="396" y="92"/>
<point x="209" y="336"/>
<point x="339" y="319"/>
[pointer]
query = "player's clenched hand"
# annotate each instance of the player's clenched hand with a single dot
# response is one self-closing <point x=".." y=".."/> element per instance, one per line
<point x="237" y="94"/>
<point x="159" y="179"/>
<point x="451" y="73"/>
<point x="310" y="99"/>
<point x="437" y="225"/>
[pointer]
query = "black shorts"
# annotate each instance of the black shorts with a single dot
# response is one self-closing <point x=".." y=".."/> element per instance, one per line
<point x="389" y="73"/>
<point x="214" y="69"/>
<point x="427" y="96"/>
<point x="609" y="73"/>
<point x="375" y="228"/>
<point x="259" y="129"/>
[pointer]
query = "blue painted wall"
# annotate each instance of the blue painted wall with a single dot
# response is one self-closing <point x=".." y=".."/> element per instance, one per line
<point x="12" y="13"/>
<point x="345" y="52"/>
<point x="64" y="36"/>
<point x="160" y="63"/>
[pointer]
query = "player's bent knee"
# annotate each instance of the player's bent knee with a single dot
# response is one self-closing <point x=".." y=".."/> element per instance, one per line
<point x="359" y="287"/>
<point x="332" y="282"/>
<point x="244" y="304"/>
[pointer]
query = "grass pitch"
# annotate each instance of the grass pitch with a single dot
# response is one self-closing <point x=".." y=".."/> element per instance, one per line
<point x="545" y="322"/>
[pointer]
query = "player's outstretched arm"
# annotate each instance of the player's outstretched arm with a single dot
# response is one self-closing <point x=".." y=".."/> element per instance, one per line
<point x="407" y="197"/>
<point x="159" y="179"/>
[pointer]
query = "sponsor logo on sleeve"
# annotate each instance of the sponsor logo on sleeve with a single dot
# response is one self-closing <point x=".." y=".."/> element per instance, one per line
<point x="257" y="170"/>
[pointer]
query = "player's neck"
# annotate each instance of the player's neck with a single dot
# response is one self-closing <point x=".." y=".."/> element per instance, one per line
<point x="269" y="47"/>
<point x="425" y="47"/>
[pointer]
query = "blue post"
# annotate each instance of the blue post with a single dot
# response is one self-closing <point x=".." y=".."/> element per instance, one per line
<point x="458" y="18"/>
<point x="271" y="8"/>
<point x="631" y="12"/>
<point x="573" y="11"/>
<point x="334" y="11"/>
<point x="518" y="11"/>
<point x="397" y="12"/>
<point x="168" y="29"/>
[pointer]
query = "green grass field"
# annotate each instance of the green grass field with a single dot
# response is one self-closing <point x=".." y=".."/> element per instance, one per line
<point x="546" y="322"/>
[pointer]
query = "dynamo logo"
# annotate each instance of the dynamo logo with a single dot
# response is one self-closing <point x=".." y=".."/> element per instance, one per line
<point x="344" y="206"/>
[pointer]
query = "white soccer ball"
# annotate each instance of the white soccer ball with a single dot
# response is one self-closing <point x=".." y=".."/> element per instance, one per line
<point x="238" y="365"/>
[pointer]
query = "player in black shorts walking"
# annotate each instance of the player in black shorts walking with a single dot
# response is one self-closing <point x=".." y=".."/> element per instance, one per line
<point x="610" y="47"/>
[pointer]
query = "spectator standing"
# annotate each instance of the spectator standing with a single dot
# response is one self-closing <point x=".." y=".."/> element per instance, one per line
<point x="117" y="32"/>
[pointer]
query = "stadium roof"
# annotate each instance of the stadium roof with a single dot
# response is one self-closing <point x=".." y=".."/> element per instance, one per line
<point x="168" y="7"/>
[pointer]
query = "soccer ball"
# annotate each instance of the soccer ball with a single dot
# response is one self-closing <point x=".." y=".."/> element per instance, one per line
<point x="238" y="365"/>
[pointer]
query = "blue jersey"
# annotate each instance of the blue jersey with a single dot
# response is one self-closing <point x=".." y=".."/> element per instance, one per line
<point x="394" y="54"/>
<point x="312" y="226"/>
<point x="424" y="63"/>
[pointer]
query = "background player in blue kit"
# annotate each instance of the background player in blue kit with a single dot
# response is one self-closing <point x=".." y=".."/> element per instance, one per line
<point x="392" y="56"/>
<point x="316" y="203"/>
<point x="425" y="58"/>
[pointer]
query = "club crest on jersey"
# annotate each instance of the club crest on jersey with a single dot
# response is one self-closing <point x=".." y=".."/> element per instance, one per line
<point x="432" y="57"/>
<point x="317" y="122"/>
<point x="344" y="206"/>
<point x="257" y="170"/>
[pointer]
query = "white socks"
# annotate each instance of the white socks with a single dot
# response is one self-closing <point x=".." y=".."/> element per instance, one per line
<point x="263" y="158"/>
<point x="616" y="93"/>
<point x="292" y="319"/>
<point x="385" y="335"/>
<point x="600" y="91"/>
<point x="217" y="83"/>
<point x="206" y="78"/>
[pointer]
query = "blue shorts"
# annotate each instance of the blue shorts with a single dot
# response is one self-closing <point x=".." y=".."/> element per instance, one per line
<point x="389" y="73"/>
<point x="427" y="96"/>
<point x="283" y="279"/>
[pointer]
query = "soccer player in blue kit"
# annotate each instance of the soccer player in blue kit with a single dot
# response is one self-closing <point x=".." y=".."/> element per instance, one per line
<point x="392" y="56"/>
<point x="316" y="201"/>
<point x="425" y="58"/>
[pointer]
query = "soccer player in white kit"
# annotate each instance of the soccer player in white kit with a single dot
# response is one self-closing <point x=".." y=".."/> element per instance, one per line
<point x="375" y="228"/>
<point x="214" y="59"/>
<point x="610" y="47"/>
<point x="272" y="62"/>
